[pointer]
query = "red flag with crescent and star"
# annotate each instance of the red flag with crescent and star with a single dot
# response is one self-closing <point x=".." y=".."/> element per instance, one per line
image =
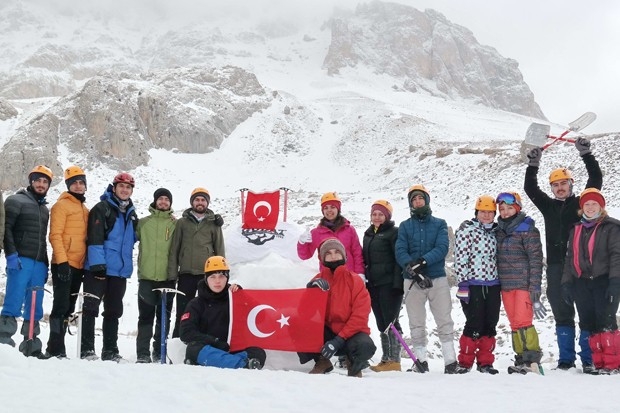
<point x="261" y="210"/>
<point x="287" y="320"/>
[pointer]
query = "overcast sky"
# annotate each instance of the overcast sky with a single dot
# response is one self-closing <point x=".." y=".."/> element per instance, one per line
<point x="568" y="50"/>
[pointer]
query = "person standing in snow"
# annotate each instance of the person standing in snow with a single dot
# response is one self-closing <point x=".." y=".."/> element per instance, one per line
<point x="111" y="233"/>
<point x="560" y="213"/>
<point x="155" y="233"/>
<point x="475" y="264"/>
<point x="204" y="325"/>
<point x="68" y="224"/>
<point x="1" y="222"/>
<point x="333" y="224"/>
<point x="346" y="319"/>
<point x="421" y="249"/>
<point x="519" y="266"/>
<point x="25" y="248"/>
<point x="198" y="236"/>
<point x="591" y="279"/>
<point x="385" y="282"/>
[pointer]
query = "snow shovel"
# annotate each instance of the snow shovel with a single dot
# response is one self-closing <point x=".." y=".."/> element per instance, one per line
<point x="164" y="320"/>
<point x="537" y="133"/>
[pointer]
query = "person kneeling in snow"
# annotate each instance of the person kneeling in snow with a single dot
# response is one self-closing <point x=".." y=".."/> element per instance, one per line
<point x="204" y="324"/>
<point x="346" y="319"/>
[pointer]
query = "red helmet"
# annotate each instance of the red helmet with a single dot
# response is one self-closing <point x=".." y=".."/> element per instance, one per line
<point x="124" y="177"/>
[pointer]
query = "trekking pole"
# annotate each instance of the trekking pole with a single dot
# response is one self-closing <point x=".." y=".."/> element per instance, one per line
<point x="399" y="336"/>
<point x="164" y="321"/>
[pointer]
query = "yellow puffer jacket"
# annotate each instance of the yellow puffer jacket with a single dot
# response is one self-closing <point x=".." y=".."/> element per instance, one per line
<point x="68" y="224"/>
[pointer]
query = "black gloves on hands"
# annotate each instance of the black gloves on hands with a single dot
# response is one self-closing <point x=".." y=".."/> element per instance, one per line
<point x="423" y="281"/>
<point x="567" y="294"/>
<point x="332" y="346"/>
<point x="583" y="146"/>
<point x="64" y="272"/>
<point x="318" y="283"/>
<point x="220" y="344"/>
<point x="99" y="271"/>
<point x="414" y="269"/>
<point x="534" y="156"/>
<point x="539" y="309"/>
<point x="613" y="290"/>
<point x="219" y="221"/>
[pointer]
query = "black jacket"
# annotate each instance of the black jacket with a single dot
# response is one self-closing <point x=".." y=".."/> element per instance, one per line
<point x="380" y="263"/>
<point x="560" y="216"/>
<point x="26" y="220"/>
<point x="206" y="317"/>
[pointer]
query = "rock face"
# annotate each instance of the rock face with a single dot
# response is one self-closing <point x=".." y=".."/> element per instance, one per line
<point x="116" y="118"/>
<point x="7" y="111"/>
<point x="429" y="53"/>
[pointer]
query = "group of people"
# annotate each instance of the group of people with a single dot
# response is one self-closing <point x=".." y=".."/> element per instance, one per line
<point x="498" y="259"/>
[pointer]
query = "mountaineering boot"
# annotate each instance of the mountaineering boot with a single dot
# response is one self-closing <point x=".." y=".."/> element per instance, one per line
<point x="590" y="369"/>
<point x="391" y="353"/>
<point x="422" y="369"/>
<point x="143" y="342"/>
<point x="586" y="352"/>
<point x="110" y="338"/>
<point x="354" y="368"/>
<point x="455" y="368"/>
<point x="467" y="351"/>
<point x="484" y="355"/>
<point x="56" y="341"/>
<point x="31" y="348"/>
<point x="385" y="357"/>
<point x="566" y="345"/>
<point x="88" y="338"/>
<point x="8" y="327"/>
<point x="323" y="365"/>
<point x="487" y="369"/>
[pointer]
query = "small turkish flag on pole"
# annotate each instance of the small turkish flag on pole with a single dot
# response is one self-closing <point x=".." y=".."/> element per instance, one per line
<point x="288" y="320"/>
<point x="261" y="210"/>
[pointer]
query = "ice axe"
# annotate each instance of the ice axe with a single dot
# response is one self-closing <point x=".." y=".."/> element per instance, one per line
<point x="537" y="133"/>
<point x="164" y="320"/>
<point x="399" y="336"/>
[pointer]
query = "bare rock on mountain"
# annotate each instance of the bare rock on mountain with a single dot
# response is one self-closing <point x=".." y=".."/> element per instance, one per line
<point x="428" y="53"/>
<point x="115" y="119"/>
<point x="7" y="111"/>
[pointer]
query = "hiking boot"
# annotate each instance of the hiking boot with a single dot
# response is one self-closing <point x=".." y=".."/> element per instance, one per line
<point x="254" y="364"/>
<point x="388" y="365"/>
<point x="590" y="369"/>
<point x="144" y="358"/>
<point x="111" y="356"/>
<point x="322" y="366"/>
<point x="40" y="355"/>
<point x="354" y="369"/>
<point x="89" y="355"/>
<point x="565" y="365"/>
<point x="156" y="357"/>
<point x="487" y="369"/>
<point x="422" y="369"/>
<point x="455" y="368"/>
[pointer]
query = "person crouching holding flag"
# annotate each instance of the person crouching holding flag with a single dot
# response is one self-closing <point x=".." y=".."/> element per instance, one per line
<point x="204" y="324"/>
<point x="346" y="318"/>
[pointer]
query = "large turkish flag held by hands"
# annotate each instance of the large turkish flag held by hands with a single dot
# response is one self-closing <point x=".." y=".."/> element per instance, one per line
<point x="261" y="210"/>
<point x="288" y="320"/>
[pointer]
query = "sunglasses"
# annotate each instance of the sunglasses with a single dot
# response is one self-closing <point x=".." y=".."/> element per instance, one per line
<point x="508" y="199"/>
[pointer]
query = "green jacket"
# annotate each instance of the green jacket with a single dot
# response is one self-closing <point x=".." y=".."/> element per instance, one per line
<point x="193" y="242"/>
<point x="155" y="233"/>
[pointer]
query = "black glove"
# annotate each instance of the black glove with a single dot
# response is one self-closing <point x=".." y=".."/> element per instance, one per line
<point x="534" y="156"/>
<point x="613" y="290"/>
<point x="332" y="346"/>
<point x="567" y="293"/>
<point x="423" y="281"/>
<point x="220" y="344"/>
<point x="583" y="146"/>
<point x="64" y="272"/>
<point x="320" y="283"/>
<point x="99" y="271"/>
<point x="219" y="221"/>
<point x="415" y="267"/>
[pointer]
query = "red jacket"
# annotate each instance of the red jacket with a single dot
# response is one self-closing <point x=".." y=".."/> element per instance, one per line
<point x="345" y="234"/>
<point x="348" y="302"/>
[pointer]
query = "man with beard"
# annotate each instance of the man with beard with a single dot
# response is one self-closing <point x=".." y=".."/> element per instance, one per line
<point x="198" y="236"/>
<point x="111" y="236"/>
<point x="26" y="219"/>
<point x="560" y="214"/>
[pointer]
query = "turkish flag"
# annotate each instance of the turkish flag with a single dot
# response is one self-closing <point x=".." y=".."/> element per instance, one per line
<point x="288" y="320"/>
<point x="261" y="210"/>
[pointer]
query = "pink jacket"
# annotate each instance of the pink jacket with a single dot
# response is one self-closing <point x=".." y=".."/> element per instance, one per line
<point x="346" y="234"/>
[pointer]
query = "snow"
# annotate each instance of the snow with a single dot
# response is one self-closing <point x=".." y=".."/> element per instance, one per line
<point x="325" y="162"/>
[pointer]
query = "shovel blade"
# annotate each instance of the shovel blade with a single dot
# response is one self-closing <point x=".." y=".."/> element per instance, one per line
<point x="537" y="134"/>
<point x="582" y="121"/>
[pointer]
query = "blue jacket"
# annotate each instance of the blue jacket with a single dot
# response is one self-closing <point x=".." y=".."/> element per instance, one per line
<point x="425" y="238"/>
<point x="111" y="237"/>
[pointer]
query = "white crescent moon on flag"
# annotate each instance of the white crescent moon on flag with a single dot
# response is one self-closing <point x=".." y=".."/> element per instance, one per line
<point x="252" y="320"/>
<point x="260" y="204"/>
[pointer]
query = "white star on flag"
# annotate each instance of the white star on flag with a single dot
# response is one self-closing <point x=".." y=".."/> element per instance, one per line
<point x="283" y="321"/>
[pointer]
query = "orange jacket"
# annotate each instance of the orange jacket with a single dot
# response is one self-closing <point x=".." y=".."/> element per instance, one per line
<point x="68" y="223"/>
<point x="348" y="303"/>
